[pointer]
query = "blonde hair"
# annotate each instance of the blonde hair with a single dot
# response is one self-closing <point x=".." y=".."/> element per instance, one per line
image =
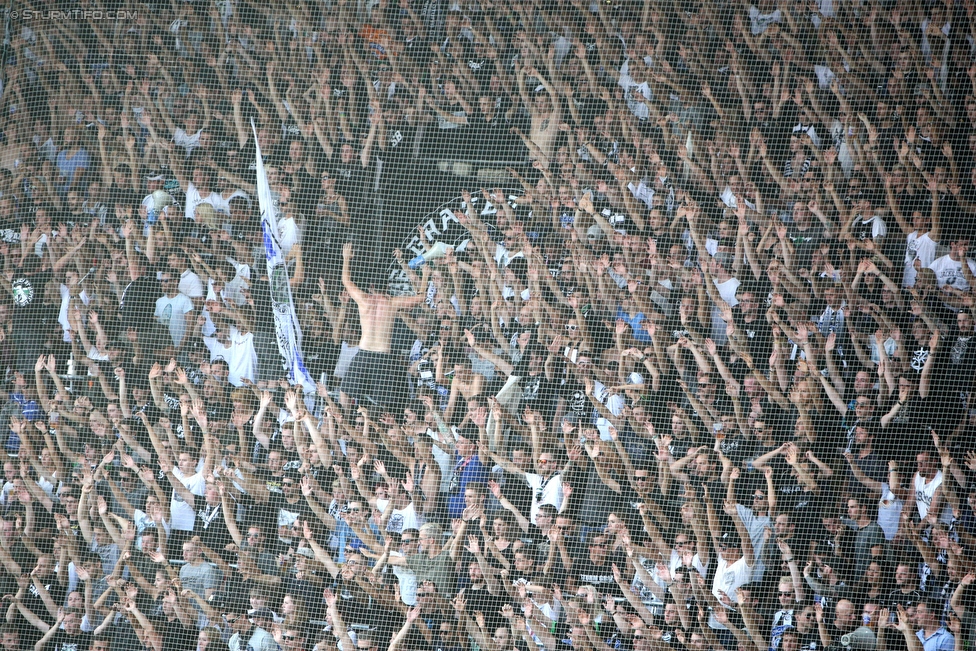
<point x="206" y="215"/>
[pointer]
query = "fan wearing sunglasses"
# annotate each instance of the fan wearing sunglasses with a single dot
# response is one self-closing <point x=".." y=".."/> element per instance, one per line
<point x="546" y="482"/>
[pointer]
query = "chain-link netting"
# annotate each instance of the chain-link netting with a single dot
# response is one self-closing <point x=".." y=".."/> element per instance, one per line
<point x="392" y="325"/>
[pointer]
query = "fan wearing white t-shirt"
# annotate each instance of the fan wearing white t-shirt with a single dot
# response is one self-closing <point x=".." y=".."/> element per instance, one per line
<point x="196" y="194"/>
<point x="717" y="271"/>
<point x="235" y="348"/>
<point x="952" y="278"/>
<point x="398" y="511"/>
<point x="736" y="557"/>
<point x="546" y="483"/>
<point x="172" y="308"/>
<point x="190" y="284"/>
<point x="187" y="486"/>
<point x="922" y="244"/>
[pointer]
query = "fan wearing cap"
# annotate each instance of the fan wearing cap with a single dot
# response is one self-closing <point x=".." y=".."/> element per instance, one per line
<point x="736" y="559"/>
<point x="237" y="624"/>
<point x="261" y="638"/>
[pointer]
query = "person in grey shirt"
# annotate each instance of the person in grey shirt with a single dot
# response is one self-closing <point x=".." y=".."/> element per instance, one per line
<point x="261" y="639"/>
<point x="869" y="534"/>
<point x="434" y="563"/>
<point x="197" y="575"/>
<point x="240" y="626"/>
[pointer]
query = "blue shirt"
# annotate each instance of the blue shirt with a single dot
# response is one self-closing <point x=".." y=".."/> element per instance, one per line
<point x="635" y="323"/>
<point x="72" y="168"/>
<point x="941" y="640"/>
<point x="464" y="473"/>
<point x="344" y="537"/>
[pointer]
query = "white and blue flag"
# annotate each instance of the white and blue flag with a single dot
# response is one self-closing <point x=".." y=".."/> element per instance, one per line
<point x="289" y="334"/>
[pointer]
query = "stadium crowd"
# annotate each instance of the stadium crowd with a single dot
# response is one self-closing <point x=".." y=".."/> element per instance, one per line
<point x="697" y="378"/>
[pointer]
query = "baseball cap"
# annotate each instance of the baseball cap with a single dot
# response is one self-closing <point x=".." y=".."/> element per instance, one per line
<point x="730" y="539"/>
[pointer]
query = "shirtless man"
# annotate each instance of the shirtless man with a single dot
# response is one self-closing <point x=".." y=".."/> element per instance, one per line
<point x="546" y="112"/>
<point x="375" y="374"/>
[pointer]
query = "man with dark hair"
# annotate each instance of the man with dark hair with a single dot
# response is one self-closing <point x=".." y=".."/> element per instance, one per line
<point x="468" y="468"/>
<point x="375" y="375"/>
<point x="864" y="462"/>
<point x="928" y="628"/>
<point x="751" y="332"/>
<point x="29" y="598"/>
<point x="292" y="637"/>
<point x="595" y="568"/>
<point x="240" y="625"/>
<point x="139" y="291"/>
<point x="289" y="506"/>
<point x="869" y="533"/>
<point x="736" y="558"/>
<point x="66" y="634"/>
<point x="367" y="640"/>
<point x="906" y="593"/>
<point x="955" y="270"/>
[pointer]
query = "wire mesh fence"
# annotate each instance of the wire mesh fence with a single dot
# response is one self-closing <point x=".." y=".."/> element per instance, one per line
<point x="498" y="326"/>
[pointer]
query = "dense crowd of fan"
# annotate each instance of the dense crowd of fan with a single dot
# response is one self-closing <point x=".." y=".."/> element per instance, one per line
<point x="697" y="378"/>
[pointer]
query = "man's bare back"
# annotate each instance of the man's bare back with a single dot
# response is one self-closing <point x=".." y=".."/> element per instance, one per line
<point x="377" y="312"/>
<point x="376" y="316"/>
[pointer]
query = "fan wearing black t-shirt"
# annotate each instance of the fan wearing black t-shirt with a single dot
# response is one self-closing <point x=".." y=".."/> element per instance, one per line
<point x="596" y="567"/>
<point x="27" y="291"/>
<point x="483" y="593"/>
<point x="30" y="598"/>
<point x="66" y="634"/>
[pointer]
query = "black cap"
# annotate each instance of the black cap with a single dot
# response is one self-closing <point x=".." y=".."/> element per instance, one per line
<point x="731" y="539"/>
